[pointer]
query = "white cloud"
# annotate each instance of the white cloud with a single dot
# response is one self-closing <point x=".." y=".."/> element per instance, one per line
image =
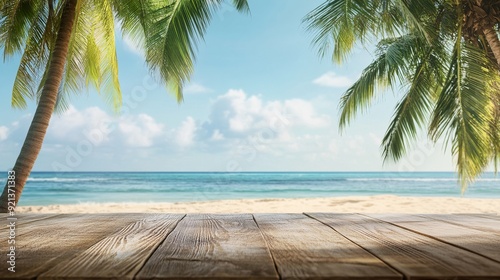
<point x="238" y="125"/>
<point x="196" y="88"/>
<point x="71" y="119"/>
<point x="303" y="113"/>
<point x="99" y="127"/>
<point x="73" y="123"/>
<point x="236" y="115"/>
<point x="186" y="133"/>
<point x="140" y="131"/>
<point x="330" y="79"/>
<point x="4" y="132"/>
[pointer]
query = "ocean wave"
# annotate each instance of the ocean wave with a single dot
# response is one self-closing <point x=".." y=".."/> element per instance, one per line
<point x="56" y="179"/>
<point x="421" y="179"/>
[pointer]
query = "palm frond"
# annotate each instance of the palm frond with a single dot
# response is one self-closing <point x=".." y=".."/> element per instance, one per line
<point x="92" y="56"/>
<point x="169" y="31"/>
<point x="74" y="70"/>
<point x="39" y="40"/>
<point x="105" y="42"/>
<point x="133" y="17"/>
<point x="15" y="18"/>
<point x="338" y="24"/>
<point x="175" y="29"/>
<point x="412" y="112"/>
<point x="495" y="124"/>
<point x="463" y="112"/>
<point x="415" y="12"/>
<point x="390" y="67"/>
<point x="446" y="71"/>
<point x="241" y="6"/>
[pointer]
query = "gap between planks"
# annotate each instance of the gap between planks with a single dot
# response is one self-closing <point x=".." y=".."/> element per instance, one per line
<point x="473" y="240"/>
<point x="119" y="255"/>
<point x="415" y="255"/>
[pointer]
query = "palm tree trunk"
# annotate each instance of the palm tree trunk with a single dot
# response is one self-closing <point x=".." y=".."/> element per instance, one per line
<point x="38" y="128"/>
<point x="484" y="24"/>
<point x="492" y="38"/>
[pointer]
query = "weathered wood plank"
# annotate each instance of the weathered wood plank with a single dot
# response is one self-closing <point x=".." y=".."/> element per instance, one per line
<point x="20" y="222"/>
<point x="415" y="255"/>
<point x="212" y="246"/>
<point x="475" y="222"/>
<point x="56" y="239"/>
<point x="488" y="216"/>
<point x="119" y="255"/>
<point x="305" y="248"/>
<point x="480" y="242"/>
<point x="22" y="219"/>
<point x="19" y="227"/>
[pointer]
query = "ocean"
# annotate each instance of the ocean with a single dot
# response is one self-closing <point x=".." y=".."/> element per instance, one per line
<point x="45" y="188"/>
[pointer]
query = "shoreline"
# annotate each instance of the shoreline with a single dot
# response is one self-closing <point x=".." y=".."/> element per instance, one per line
<point x="345" y="204"/>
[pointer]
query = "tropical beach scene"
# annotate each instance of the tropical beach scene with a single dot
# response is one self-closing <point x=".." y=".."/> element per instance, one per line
<point x="327" y="139"/>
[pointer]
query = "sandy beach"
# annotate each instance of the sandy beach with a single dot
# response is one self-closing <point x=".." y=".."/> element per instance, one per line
<point x="356" y="204"/>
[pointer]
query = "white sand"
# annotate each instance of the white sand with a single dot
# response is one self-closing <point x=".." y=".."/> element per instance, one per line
<point x="359" y="204"/>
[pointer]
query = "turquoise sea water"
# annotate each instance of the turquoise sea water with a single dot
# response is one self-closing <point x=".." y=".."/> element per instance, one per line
<point x="44" y="188"/>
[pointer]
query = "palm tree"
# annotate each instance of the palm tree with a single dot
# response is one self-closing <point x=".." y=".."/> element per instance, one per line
<point x="446" y="56"/>
<point x="68" y="44"/>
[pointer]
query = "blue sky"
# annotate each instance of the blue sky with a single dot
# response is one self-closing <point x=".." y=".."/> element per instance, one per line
<point x="261" y="99"/>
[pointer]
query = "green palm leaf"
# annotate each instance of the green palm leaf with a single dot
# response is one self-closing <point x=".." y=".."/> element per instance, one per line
<point x="411" y="113"/>
<point x="175" y="29"/>
<point x="39" y="41"/>
<point x="353" y="20"/>
<point x="69" y="45"/>
<point x="15" y="20"/>
<point x="437" y="52"/>
<point x="463" y="112"/>
<point x="389" y="67"/>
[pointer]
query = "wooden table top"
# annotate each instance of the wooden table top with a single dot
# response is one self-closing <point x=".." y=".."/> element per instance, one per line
<point x="252" y="246"/>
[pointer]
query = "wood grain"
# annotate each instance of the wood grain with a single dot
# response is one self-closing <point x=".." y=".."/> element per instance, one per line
<point x="50" y="241"/>
<point x="487" y="216"/>
<point x="21" y="222"/>
<point x="415" y="255"/>
<point x="483" y="215"/>
<point x="119" y="255"/>
<point x="305" y="248"/>
<point x="480" y="242"/>
<point x="25" y="218"/>
<point x="66" y="246"/>
<point x="470" y="221"/>
<point x="212" y="246"/>
<point x="494" y="217"/>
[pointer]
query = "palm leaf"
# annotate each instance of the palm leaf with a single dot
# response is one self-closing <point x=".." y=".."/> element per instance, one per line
<point x="133" y="18"/>
<point x="175" y="29"/>
<point x="241" y="5"/>
<point x="390" y="67"/>
<point x="15" y="19"/>
<point x="74" y="70"/>
<point x="338" y="24"/>
<point x="411" y="113"/>
<point x="105" y="42"/>
<point x="463" y="112"/>
<point x="39" y="40"/>
<point x="495" y="124"/>
<point x="169" y="31"/>
<point x="412" y="11"/>
<point x="92" y="56"/>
